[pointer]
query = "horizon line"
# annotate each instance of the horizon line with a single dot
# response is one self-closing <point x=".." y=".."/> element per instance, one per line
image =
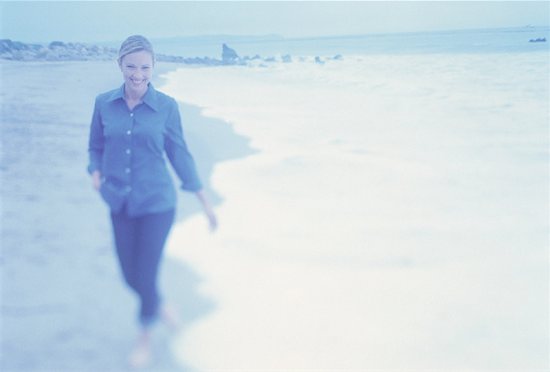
<point x="274" y="36"/>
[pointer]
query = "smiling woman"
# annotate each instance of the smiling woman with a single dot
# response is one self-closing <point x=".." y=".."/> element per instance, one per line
<point x="132" y="128"/>
<point x="136" y="59"/>
<point x="137" y="70"/>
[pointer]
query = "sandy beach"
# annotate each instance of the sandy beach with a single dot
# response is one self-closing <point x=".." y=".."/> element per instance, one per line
<point x="64" y="305"/>
<point x="376" y="186"/>
<point x="376" y="212"/>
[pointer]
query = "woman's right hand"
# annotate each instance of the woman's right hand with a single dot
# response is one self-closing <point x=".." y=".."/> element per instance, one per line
<point x="96" y="180"/>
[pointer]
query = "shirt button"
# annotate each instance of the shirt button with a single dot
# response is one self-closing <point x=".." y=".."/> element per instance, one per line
<point x="127" y="170"/>
<point x="128" y="151"/>
<point x="129" y="132"/>
<point x="131" y="114"/>
<point x="128" y="189"/>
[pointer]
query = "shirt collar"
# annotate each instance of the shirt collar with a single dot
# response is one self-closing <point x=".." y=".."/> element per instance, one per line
<point x="150" y="97"/>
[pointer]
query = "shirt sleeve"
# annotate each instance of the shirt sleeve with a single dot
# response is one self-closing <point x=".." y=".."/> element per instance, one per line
<point x="96" y="141"/>
<point x="178" y="153"/>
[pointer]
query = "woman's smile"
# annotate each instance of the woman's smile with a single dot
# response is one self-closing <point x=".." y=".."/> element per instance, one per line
<point x="137" y="82"/>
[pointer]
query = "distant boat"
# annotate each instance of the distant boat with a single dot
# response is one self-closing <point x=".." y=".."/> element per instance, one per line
<point x="538" y="40"/>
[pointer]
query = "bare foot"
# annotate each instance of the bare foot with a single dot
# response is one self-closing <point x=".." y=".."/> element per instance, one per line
<point x="171" y="318"/>
<point x="140" y="357"/>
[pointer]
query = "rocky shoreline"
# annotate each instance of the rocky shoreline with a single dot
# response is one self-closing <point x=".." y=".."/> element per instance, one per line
<point x="61" y="51"/>
<point x="54" y="51"/>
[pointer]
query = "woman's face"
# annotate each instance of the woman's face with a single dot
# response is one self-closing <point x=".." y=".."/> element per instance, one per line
<point x="137" y="70"/>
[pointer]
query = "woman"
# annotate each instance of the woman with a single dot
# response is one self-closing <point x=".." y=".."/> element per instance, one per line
<point x="132" y="128"/>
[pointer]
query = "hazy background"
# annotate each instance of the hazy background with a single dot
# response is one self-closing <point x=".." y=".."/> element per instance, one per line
<point x="107" y="21"/>
<point x="385" y="209"/>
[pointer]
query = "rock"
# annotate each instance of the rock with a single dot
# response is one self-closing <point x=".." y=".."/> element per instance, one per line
<point x="56" y="44"/>
<point x="286" y="58"/>
<point x="229" y="56"/>
<point x="249" y="59"/>
<point x="319" y="61"/>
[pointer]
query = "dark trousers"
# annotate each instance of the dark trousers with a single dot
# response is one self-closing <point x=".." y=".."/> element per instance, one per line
<point x="139" y="244"/>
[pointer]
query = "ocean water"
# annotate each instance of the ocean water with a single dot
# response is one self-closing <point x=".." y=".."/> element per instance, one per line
<point x="504" y="40"/>
<point x="394" y="215"/>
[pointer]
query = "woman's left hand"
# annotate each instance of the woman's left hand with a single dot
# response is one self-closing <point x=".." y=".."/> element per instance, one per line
<point x="212" y="220"/>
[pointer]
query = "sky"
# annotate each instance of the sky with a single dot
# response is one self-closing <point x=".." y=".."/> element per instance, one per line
<point x="98" y="21"/>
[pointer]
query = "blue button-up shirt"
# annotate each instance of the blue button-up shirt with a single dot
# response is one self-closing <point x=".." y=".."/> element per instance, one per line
<point x="128" y="147"/>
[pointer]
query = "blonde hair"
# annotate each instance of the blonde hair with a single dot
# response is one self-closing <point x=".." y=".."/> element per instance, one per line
<point x="135" y="43"/>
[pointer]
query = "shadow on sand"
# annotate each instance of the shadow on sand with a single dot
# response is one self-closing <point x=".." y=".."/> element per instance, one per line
<point x="64" y="305"/>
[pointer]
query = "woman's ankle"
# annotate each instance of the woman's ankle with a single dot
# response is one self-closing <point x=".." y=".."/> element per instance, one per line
<point x="170" y="316"/>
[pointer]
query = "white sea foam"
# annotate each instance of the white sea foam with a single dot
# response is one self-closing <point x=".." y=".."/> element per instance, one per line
<point x="396" y="214"/>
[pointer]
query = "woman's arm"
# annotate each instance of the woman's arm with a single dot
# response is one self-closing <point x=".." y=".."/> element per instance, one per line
<point x="177" y="152"/>
<point x="183" y="163"/>
<point x="212" y="221"/>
